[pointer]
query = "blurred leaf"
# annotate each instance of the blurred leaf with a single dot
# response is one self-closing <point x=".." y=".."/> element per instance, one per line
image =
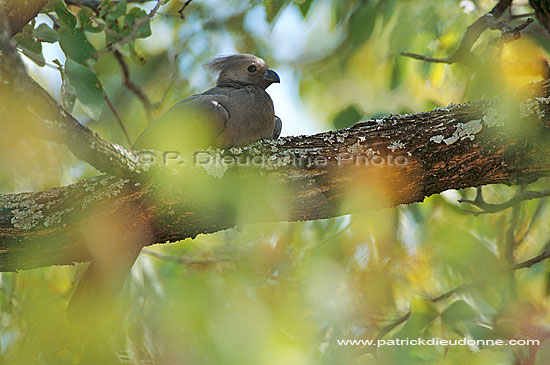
<point x="68" y="95"/>
<point x="478" y="332"/>
<point x="304" y="6"/>
<point x="361" y="23"/>
<point x="75" y="45"/>
<point x="88" y="88"/>
<point x="543" y="353"/>
<point x="64" y="15"/>
<point x="403" y="32"/>
<point x="456" y="312"/>
<point x="31" y="48"/>
<point x="397" y="71"/>
<point x="387" y="8"/>
<point x="272" y="8"/>
<point x="547" y="283"/>
<point x="346" y="117"/>
<point x="45" y="34"/>
<point x="117" y="11"/>
<point x="134" y="15"/>
<point x="423" y="313"/>
<point x="84" y="15"/>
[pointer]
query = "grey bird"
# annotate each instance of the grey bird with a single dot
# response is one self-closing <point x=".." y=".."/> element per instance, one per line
<point x="236" y="112"/>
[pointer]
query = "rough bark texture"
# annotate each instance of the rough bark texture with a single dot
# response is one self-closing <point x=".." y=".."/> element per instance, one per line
<point x="20" y="12"/>
<point x="46" y="118"/>
<point x="374" y="164"/>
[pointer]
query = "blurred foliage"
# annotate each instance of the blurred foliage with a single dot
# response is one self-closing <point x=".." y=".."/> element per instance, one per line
<point x="284" y="292"/>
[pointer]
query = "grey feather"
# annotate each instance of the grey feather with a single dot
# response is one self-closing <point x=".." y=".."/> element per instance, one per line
<point x="277" y="129"/>
<point x="236" y="112"/>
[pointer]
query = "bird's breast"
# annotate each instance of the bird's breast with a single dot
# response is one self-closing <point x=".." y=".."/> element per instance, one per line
<point x="251" y="116"/>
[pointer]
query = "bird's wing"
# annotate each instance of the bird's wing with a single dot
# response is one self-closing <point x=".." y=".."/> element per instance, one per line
<point x="278" y="127"/>
<point x="194" y="122"/>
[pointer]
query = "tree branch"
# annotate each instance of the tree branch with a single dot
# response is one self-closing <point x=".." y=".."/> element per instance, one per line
<point x="45" y="116"/>
<point x="371" y="165"/>
<point x="471" y="35"/>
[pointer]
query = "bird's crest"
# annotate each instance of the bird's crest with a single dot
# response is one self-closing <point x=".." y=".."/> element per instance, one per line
<point x="221" y="63"/>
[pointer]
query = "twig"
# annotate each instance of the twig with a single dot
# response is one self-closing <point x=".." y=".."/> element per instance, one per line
<point x="535" y="260"/>
<point x="186" y="260"/>
<point x="119" y="120"/>
<point x="384" y="330"/>
<point x="470" y="36"/>
<point x="493" y="208"/>
<point x="519" y="16"/>
<point x="133" y="33"/>
<point x="95" y="4"/>
<point x="132" y="86"/>
<point x="182" y="9"/>
<point x="525" y="264"/>
<point x="535" y="216"/>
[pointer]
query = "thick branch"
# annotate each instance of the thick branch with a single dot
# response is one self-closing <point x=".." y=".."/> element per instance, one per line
<point x="26" y="105"/>
<point x="374" y="164"/>
<point x="18" y="13"/>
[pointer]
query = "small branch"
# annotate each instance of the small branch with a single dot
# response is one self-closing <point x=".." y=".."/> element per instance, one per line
<point x="133" y="32"/>
<point x="493" y="208"/>
<point x="532" y="221"/>
<point x="118" y="119"/>
<point x="186" y="260"/>
<point x="182" y="9"/>
<point x="44" y="115"/>
<point x="131" y="85"/>
<point x="385" y="330"/>
<point x="470" y="36"/>
<point x="520" y="16"/>
<point x="426" y="58"/>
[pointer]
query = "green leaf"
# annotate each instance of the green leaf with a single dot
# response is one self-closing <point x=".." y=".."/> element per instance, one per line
<point x="84" y="15"/>
<point x="272" y="8"/>
<point x="387" y="8"/>
<point x="117" y="11"/>
<point x="88" y="88"/>
<point x="75" y="45"/>
<point x="346" y="117"/>
<point x="304" y="6"/>
<point x="134" y="15"/>
<point x="423" y="313"/>
<point x="456" y="312"/>
<point x="361" y="23"/>
<point x="65" y="17"/>
<point x="68" y="94"/>
<point x="31" y="48"/>
<point x="543" y="353"/>
<point x="45" y="34"/>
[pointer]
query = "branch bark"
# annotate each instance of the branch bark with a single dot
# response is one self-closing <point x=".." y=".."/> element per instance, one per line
<point x="379" y="163"/>
<point x="49" y="120"/>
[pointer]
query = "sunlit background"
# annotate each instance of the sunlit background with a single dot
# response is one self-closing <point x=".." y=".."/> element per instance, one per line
<point x="284" y="293"/>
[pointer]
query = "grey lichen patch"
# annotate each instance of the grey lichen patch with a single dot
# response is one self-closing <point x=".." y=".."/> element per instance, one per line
<point x="110" y="189"/>
<point x="463" y="131"/>
<point x="437" y="139"/>
<point x="396" y="145"/>
<point x="214" y="166"/>
<point x="341" y="137"/>
<point x="531" y="107"/>
<point x="55" y="218"/>
<point x="27" y="214"/>
<point x="447" y="108"/>
<point x="493" y="118"/>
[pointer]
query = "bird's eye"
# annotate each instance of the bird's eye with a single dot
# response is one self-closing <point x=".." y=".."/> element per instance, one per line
<point x="251" y="68"/>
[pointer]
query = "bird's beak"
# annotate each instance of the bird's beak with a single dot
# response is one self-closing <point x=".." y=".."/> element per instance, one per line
<point x="271" y="76"/>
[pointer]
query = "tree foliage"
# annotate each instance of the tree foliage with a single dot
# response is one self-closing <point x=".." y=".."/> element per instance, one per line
<point x="287" y="292"/>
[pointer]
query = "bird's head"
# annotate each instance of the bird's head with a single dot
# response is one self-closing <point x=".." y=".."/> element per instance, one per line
<point x="242" y="69"/>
